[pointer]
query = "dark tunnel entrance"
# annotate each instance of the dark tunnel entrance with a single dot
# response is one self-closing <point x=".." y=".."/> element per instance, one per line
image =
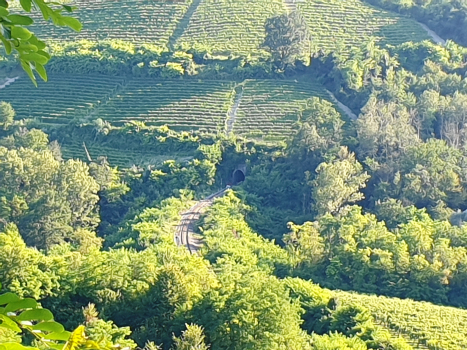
<point x="238" y="177"/>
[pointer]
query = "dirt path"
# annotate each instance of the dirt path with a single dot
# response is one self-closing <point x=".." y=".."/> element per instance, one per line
<point x="342" y="106"/>
<point x="232" y="115"/>
<point x="8" y="81"/>
<point x="437" y="39"/>
<point x="185" y="233"/>
<point x="182" y="25"/>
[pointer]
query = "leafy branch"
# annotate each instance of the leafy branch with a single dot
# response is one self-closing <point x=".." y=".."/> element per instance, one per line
<point x="16" y="37"/>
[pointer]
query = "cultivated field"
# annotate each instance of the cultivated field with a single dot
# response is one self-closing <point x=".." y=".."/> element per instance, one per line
<point x="181" y="104"/>
<point x="229" y="26"/>
<point x="337" y="24"/>
<point x="136" y="21"/>
<point x="61" y="99"/>
<point x="424" y="324"/>
<point x="269" y="108"/>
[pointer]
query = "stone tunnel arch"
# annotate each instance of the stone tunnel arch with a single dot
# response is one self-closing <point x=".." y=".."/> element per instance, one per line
<point x="238" y="176"/>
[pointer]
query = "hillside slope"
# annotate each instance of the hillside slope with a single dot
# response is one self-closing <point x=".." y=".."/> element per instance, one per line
<point x="232" y="27"/>
<point x="424" y="324"/>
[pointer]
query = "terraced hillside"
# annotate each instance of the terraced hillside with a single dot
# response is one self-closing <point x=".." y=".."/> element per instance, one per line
<point x="425" y="325"/>
<point x="336" y="22"/>
<point x="183" y="105"/>
<point x="61" y="99"/>
<point x="270" y="108"/>
<point x="137" y="21"/>
<point x="116" y="157"/>
<point x="229" y="26"/>
<point x="267" y="110"/>
<point x="232" y="26"/>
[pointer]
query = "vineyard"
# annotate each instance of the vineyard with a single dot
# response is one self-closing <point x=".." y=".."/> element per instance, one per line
<point x="116" y="157"/>
<point x="270" y="108"/>
<point x="183" y="105"/>
<point x="229" y="26"/>
<point x="336" y="22"/>
<point x="144" y="21"/>
<point x="61" y="99"/>
<point x="425" y="325"/>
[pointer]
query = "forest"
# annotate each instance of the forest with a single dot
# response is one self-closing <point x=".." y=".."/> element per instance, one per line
<point x="345" y="230"/>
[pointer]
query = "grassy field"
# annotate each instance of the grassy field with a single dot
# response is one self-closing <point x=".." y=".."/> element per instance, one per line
<point x="424" y="325"/>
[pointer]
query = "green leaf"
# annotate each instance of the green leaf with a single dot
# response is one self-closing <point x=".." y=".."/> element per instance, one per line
<point x="27" y="47"/>
<point x="34" y="57"/>
<point x="36" y="42"/>
<point x="21" y="20"/>
<point x="41" y="71"/>
<point x="6" y="32"/>
<point x="65" y="335"/>
<point x="27" y="303"/>
<point x="15" y="346"/>
<point x="8" y="298"/>
<point x="7" y="45"/>
<point x="28" y="70"/>
<point x="6" y="322"/>
<point x="68" y="8"/>
<point x="43" y="53"/>
<point x="49" y="326"/>
<point x="4" y="3"/>
<point x="3" y="12"/>
<point x="73" y="23"/>
<point x="20" y="33"/>
<point x="36" y="315"/>
<point x="26" y="5"/>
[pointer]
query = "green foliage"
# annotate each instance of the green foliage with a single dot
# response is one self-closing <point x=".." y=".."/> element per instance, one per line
<point x="253" y="311"/>
<point x="287" y="36"/>
<point x="46" y="198"/>
<point x="428" y="329"/>
<point x="7" y="114"/>
<point x="191" y="339"/>
<point x="227" y="234"/>
<point x="338" y="183"/>
<point x="26" y="317"/>
<point x="16" y="37"/>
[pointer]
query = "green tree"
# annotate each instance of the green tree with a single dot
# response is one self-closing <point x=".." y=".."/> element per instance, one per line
<point x="191" y="339"/>
<point x="46" y="198"/>
<point x="338" y="182"/>
<point x="15" y="35"/>
<point x="320" y="131"/>
<point x="7" y="115"/>
<point x="286" y="37"/>
<point x="431" y="172"/>
<point x="253" y="310"/>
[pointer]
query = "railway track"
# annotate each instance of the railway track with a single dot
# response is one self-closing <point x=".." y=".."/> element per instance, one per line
<point x="184" y="234"/>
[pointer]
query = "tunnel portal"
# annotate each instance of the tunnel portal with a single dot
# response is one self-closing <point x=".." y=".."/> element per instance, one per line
<point x="238" y="177"/>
